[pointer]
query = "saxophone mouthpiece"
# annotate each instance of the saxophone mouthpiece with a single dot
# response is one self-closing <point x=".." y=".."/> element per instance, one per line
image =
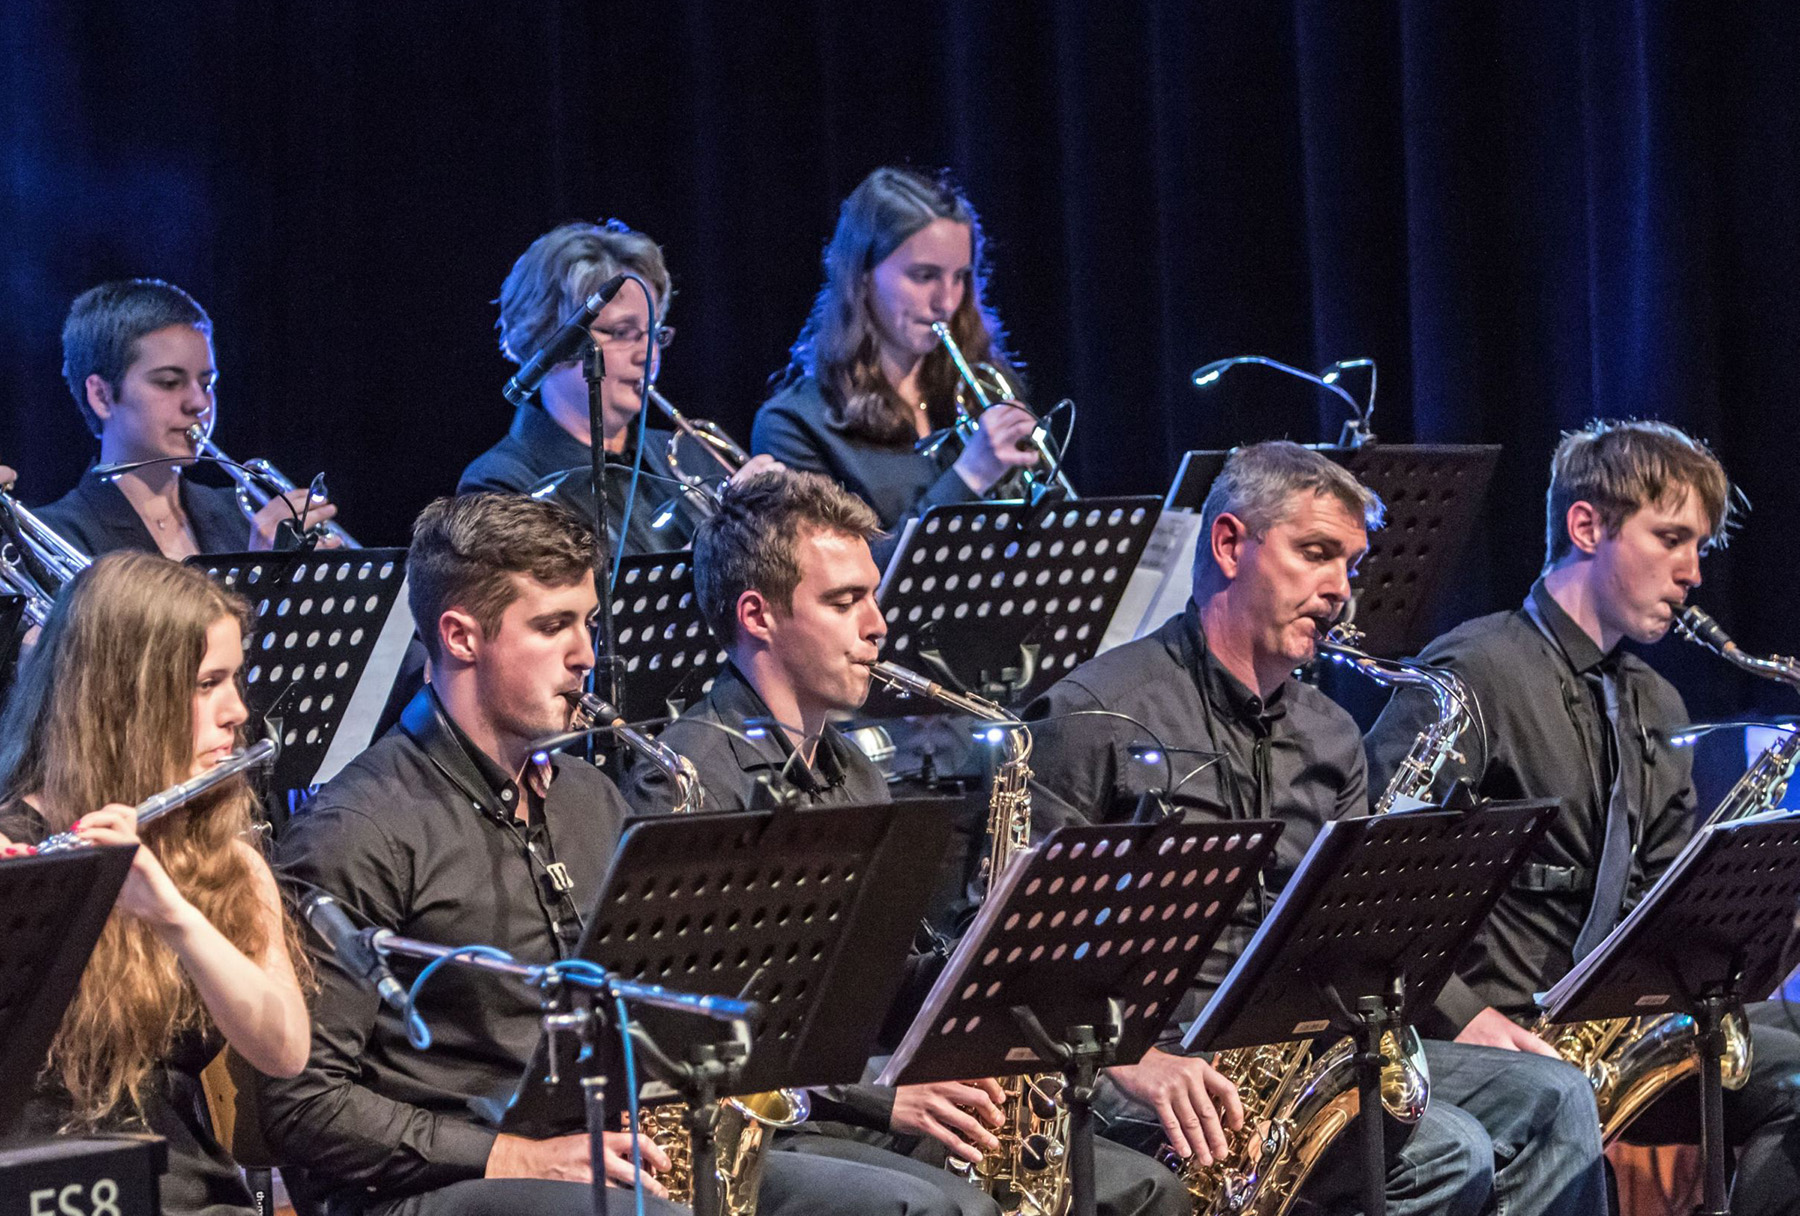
<point x="1700" y="626"/>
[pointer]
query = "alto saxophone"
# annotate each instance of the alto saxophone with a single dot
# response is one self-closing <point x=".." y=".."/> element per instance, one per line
<point x="742" y="1126"/>
<point x="1295" y="1102"/>
<point x="1028" y="1175"/>
<point x="1631" y="1062"/>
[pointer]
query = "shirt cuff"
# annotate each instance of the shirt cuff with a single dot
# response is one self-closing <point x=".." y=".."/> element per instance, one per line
<point x="456" y="1144"/>
<point x="1455" y="1007"/>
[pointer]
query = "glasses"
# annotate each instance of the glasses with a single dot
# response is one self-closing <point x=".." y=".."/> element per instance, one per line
<point x="633" y="335"/>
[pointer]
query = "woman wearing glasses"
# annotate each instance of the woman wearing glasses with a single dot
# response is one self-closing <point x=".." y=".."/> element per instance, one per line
<point x="547" y="449"/>
<point x="869" y="379"/>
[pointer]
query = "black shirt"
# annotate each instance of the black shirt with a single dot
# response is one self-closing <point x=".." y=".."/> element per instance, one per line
<point x="417" y="835"/>
<point x="97" y="518"/>
<point x="1547" y="737"/>
<point x="1296" y="757"/>
<point x="730" y="767"/>
<point x="796" y="427"/>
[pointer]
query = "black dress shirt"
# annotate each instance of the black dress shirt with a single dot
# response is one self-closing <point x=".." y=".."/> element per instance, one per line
<point x="97" y="518"/>
<point x="1296" y="757"/>
<point x="1547" y="737"/>
<point x="796" y="427"/>
<point x="730" y="767"/>
<point x="418" y="835"/>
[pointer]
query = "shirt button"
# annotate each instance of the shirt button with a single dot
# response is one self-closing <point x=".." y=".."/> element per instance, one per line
<point x="506" y="795"/>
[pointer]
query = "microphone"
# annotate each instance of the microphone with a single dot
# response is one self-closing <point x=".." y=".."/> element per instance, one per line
<point x="563" y="344"/>
<point x="351" y="945"/>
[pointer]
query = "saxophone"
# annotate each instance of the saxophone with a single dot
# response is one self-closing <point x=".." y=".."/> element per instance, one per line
<point x="1028" y="1175"/>
<point x="742" y="1126"/>
<point x="1296" y="1102"/>
<point x="1631" y="1062"/>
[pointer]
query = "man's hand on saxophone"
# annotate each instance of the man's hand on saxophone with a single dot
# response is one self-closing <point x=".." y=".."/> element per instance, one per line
<point x="1196" y="1103"/>
<point x="953" y="1114"/>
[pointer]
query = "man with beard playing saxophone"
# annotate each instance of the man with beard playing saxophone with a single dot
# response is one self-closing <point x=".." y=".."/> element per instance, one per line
<point x="785" y="579"/>
<point x="1632" y="508"/>
<point x="1238" y="737"/>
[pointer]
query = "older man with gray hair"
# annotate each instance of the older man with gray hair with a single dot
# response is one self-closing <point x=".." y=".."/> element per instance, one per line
<point x="1283" y="530"/>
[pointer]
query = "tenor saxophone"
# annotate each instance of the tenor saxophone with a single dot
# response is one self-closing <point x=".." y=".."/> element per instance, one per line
<point x="1028" y="1175"/>
<point x="1297" y="1102"/>
<point x="742" y="1126"/>
<point x="1631" y="1062"/>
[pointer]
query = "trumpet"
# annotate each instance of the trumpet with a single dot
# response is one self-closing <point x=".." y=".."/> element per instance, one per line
<point x="35" y="560"/>
<point x="257" y="481"/>
<point x="708" y="434"/>
<point x="156" y="806"/>
<point x="983" y="393"/>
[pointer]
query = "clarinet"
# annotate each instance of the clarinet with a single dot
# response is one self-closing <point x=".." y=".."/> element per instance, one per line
<point x="157" y="805"/>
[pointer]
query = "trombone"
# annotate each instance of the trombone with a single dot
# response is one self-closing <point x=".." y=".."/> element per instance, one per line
<point x="983" y="395"/>
<point x="35" y="560"/>
<point x="708" y="434"/>
<point x="258" y="481"/>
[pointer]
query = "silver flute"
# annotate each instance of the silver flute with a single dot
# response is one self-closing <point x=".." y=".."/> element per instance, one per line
<point x="157" y="805"/>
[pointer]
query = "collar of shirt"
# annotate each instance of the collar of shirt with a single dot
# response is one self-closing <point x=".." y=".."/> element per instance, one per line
<point x="548" y="446"/>
<point x="1580" y="649"/>
<point x="481" y="778"/>
<point x="1225" y="691"/>
<point x="737" y="702"/>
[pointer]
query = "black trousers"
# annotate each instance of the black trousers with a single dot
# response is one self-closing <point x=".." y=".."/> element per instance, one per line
<point x="1126" y="1182"/>
<point x="794" y="1184"/>
<point x="1760" y="1118"/>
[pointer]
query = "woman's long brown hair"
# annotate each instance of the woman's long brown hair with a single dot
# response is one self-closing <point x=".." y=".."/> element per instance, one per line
<point x="838" y="346"/>
<point x="103" y="712"/>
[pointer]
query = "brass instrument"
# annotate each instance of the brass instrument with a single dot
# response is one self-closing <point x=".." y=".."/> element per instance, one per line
<point x="35" y="561"/>
<point x="156" y="806"/>
<point x="742" y="1125"/>
<point x="708" y="434"/>
<point x="1295" y="1102"/>
<point x="1028" y="1174"/>
<point x="258" y="481"/>
<point x="1631" y="1062"/>
<point x="983" y="393"/>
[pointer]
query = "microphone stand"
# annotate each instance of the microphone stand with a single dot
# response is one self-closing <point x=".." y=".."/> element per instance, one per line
<point x="605" y="679"/>
<point x="562" y="1013"/>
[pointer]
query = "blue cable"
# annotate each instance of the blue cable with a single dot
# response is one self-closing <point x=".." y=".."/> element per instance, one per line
<point x="585" y="972"/>
<point x="417" y="1033"/>
<point x="637" y="462"/>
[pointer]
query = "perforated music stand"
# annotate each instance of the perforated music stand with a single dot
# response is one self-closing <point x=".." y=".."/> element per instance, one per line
<point x="1710" y="933"/>
<point x="810" y="911"/>
<point x="666" y="654"/>
<point x="1078" y="958"/>
<point x="330" y="631"/>
<point x="55" y="907"/>
<point x="974" y="585"/>
<point x="1433" y="494"/>
<point x="1365" y="934"/>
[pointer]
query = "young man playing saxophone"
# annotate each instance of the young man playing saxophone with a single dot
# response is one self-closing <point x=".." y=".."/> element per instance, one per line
<point x="1213" y="690"/>
<point x="445" y="831"/>
<point x="784" y="576"/>
<point x="1570" y="714"/>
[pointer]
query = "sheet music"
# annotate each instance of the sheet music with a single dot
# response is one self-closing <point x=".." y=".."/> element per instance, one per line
<point x="355" y="731"/>
<point x="1161" y="584"/>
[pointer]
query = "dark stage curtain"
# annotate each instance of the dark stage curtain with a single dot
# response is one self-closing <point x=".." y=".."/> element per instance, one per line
<point x="1529" y="212"/>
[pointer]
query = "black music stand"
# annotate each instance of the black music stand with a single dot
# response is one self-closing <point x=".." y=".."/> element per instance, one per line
<point x="1709" y="933"/>
<point x="809" y="911"/>
<point x="1005" y="601"/>
<point x="55" y="907"/>
<point x="331" y="628"/>
<point x="1365" y="934"/>
<point x="1433" y="493"/>
<point x="1098" y="932"/>
<point x="665" y="653"/>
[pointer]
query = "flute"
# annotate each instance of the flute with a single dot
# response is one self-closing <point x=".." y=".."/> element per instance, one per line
<point x="157" y="805"/>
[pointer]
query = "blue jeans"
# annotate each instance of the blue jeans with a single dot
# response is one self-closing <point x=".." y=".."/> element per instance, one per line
<point x="1538" y="1114"/>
